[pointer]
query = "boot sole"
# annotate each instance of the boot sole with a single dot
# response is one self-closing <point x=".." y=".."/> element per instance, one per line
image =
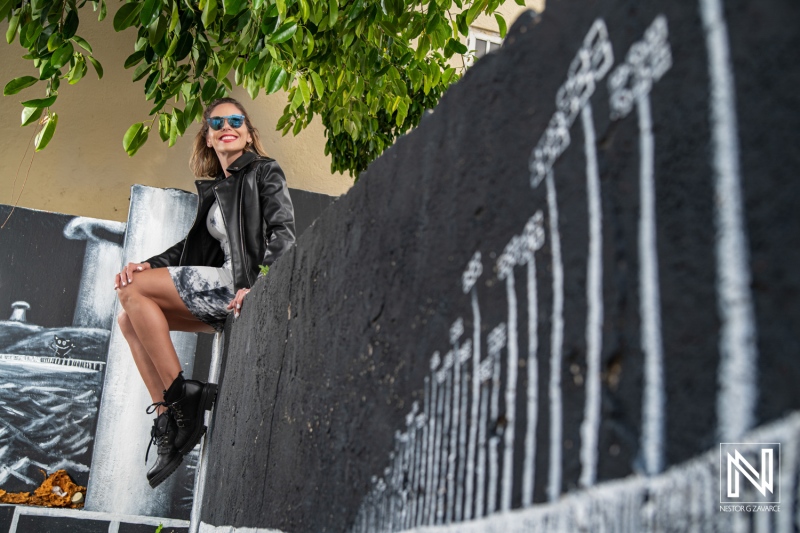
<point x="166" y="472"/>
<point x="206" y="403"/>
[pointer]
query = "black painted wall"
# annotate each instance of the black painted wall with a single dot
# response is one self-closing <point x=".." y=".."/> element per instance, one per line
<point x="333" y="348"/>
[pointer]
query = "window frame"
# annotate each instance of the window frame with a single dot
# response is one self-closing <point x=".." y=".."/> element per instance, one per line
<point x="472" y="37"/>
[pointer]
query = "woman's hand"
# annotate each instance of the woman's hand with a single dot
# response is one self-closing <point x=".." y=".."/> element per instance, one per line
<point x="126" y="276"/>
<point x="238" y="300"/>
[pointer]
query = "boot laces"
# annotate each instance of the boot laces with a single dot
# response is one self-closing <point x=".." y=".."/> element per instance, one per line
<point x="156" y="437"/>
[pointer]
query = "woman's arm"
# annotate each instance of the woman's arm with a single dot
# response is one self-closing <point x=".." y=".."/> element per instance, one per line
<point x="277" y="212"/>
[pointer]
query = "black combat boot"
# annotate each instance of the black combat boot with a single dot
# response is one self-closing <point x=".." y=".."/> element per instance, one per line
<point x="168" y="459"/>
<point x="187" y="401"/>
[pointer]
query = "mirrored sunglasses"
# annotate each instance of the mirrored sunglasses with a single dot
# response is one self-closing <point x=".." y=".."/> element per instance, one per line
<point x="234" y="121"/>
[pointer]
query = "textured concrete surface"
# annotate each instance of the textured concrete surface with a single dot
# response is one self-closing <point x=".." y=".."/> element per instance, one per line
<point x="336" y="344"/>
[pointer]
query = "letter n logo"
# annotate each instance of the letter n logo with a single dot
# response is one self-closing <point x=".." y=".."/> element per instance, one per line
<point x="742" y="461"/>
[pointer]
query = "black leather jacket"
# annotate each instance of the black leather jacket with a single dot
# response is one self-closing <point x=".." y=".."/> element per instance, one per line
<point x="259" y="219"/>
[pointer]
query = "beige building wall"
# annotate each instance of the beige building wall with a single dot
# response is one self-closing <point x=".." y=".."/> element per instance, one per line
<point x="84" y="170"/>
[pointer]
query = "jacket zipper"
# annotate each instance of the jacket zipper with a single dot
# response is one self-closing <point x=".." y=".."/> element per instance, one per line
<point x="241" y="233"/>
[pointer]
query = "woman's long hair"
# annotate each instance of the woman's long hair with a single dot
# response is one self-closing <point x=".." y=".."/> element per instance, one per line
<point x="204" y="162"/>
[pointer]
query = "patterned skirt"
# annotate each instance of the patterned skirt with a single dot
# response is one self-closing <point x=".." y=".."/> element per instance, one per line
<point x="206" y="291"/>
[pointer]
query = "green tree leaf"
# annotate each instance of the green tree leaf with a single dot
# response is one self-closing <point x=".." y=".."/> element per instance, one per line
<point x="62" y="55"/>
<point x="276" y="80"/>
<point x="130" y="135"/>
<point x="284" y="33"/>
<point x="31" y="115"/>
<point x="209" y="13"/>
<point x="501" y="23"/>
<point x="126" y="16"/>
<point x="70" y="24"/>
<point x="13" y="25"/>
<point x="149" y="12"/>
<point x="304" y="91"/>
<point x="40" y="102"/>
<point x="232" y="7"/>
<point x="18" y="84"/>
<point x="319" y="87"/>
<point x="46" y="133"/>
<point x="333" y="12"/>
<point x="81" y="42"/>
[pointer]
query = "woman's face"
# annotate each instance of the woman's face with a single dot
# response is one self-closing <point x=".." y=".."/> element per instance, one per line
<point x="227" y="140"/>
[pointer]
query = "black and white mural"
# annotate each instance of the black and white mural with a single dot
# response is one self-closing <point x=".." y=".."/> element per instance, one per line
<point x="54" y="337"/>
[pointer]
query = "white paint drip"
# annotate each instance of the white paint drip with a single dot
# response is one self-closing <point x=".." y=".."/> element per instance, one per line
<point x="476" y="266"/>
<point x="590" y="427"/>
<point x="511" y="381"/>
<point x="497" y="340"/>
<point x="480" y="469"/>
<point x="445" y="495"/>
<point x="430" y="491"/>
<point x="646" y="62"/>
<point x="736" y="401"/>
<point x="424" y="455"/>
<point x="556" y="345"/>
<point x="650" y="303"/>
<point x="456" y="331"/>
<point x="436" y="486"/>
<point x="529" y="465"/>
<point x="465" y="353"/>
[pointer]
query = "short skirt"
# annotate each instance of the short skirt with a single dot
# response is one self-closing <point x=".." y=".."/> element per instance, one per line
<point x="206" y="291"/>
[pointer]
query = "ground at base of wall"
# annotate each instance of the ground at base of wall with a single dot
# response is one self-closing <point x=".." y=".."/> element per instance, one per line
<point x="57" y="490"/>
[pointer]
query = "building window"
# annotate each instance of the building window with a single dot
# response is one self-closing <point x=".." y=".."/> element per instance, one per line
<point x="481" y="43"/>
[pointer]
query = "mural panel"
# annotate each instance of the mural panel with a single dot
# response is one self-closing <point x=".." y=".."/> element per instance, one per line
<point x="53" y="341"/>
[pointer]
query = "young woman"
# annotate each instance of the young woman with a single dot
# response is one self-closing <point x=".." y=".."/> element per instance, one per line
<point x="244" y="219"/>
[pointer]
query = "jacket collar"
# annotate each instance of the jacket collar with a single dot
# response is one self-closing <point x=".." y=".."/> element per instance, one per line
<point x="241" y="162"/>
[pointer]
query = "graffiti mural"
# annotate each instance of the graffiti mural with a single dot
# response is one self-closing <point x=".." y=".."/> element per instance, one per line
<point x="53" y="341"/>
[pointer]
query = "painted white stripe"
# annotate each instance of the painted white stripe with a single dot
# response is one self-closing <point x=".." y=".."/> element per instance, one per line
<point x="444" y="442"/>
<point x="466" y="352"/>
<point x="590" y="427"/>
<point x="430" y="492"/>
<point x="529" y="466"/>
<point x="113" y="527"/>
<point x="650" y="299"/>
<point x="14" y="520"/>
<point x="494" y="440"/>
<point x="556" y="345"/>
<point x="476" y="393"/>
<point x="511" y="393"/>
<point x="480" y="493"/>
<point x="736" y="400"/>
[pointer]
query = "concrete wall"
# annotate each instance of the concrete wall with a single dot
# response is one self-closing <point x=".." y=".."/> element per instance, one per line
<point x="570" y="284"/>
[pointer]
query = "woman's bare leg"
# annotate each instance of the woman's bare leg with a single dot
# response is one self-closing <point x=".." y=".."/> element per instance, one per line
<point x="150" y="376"/>
<point x="153" y="308"/>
